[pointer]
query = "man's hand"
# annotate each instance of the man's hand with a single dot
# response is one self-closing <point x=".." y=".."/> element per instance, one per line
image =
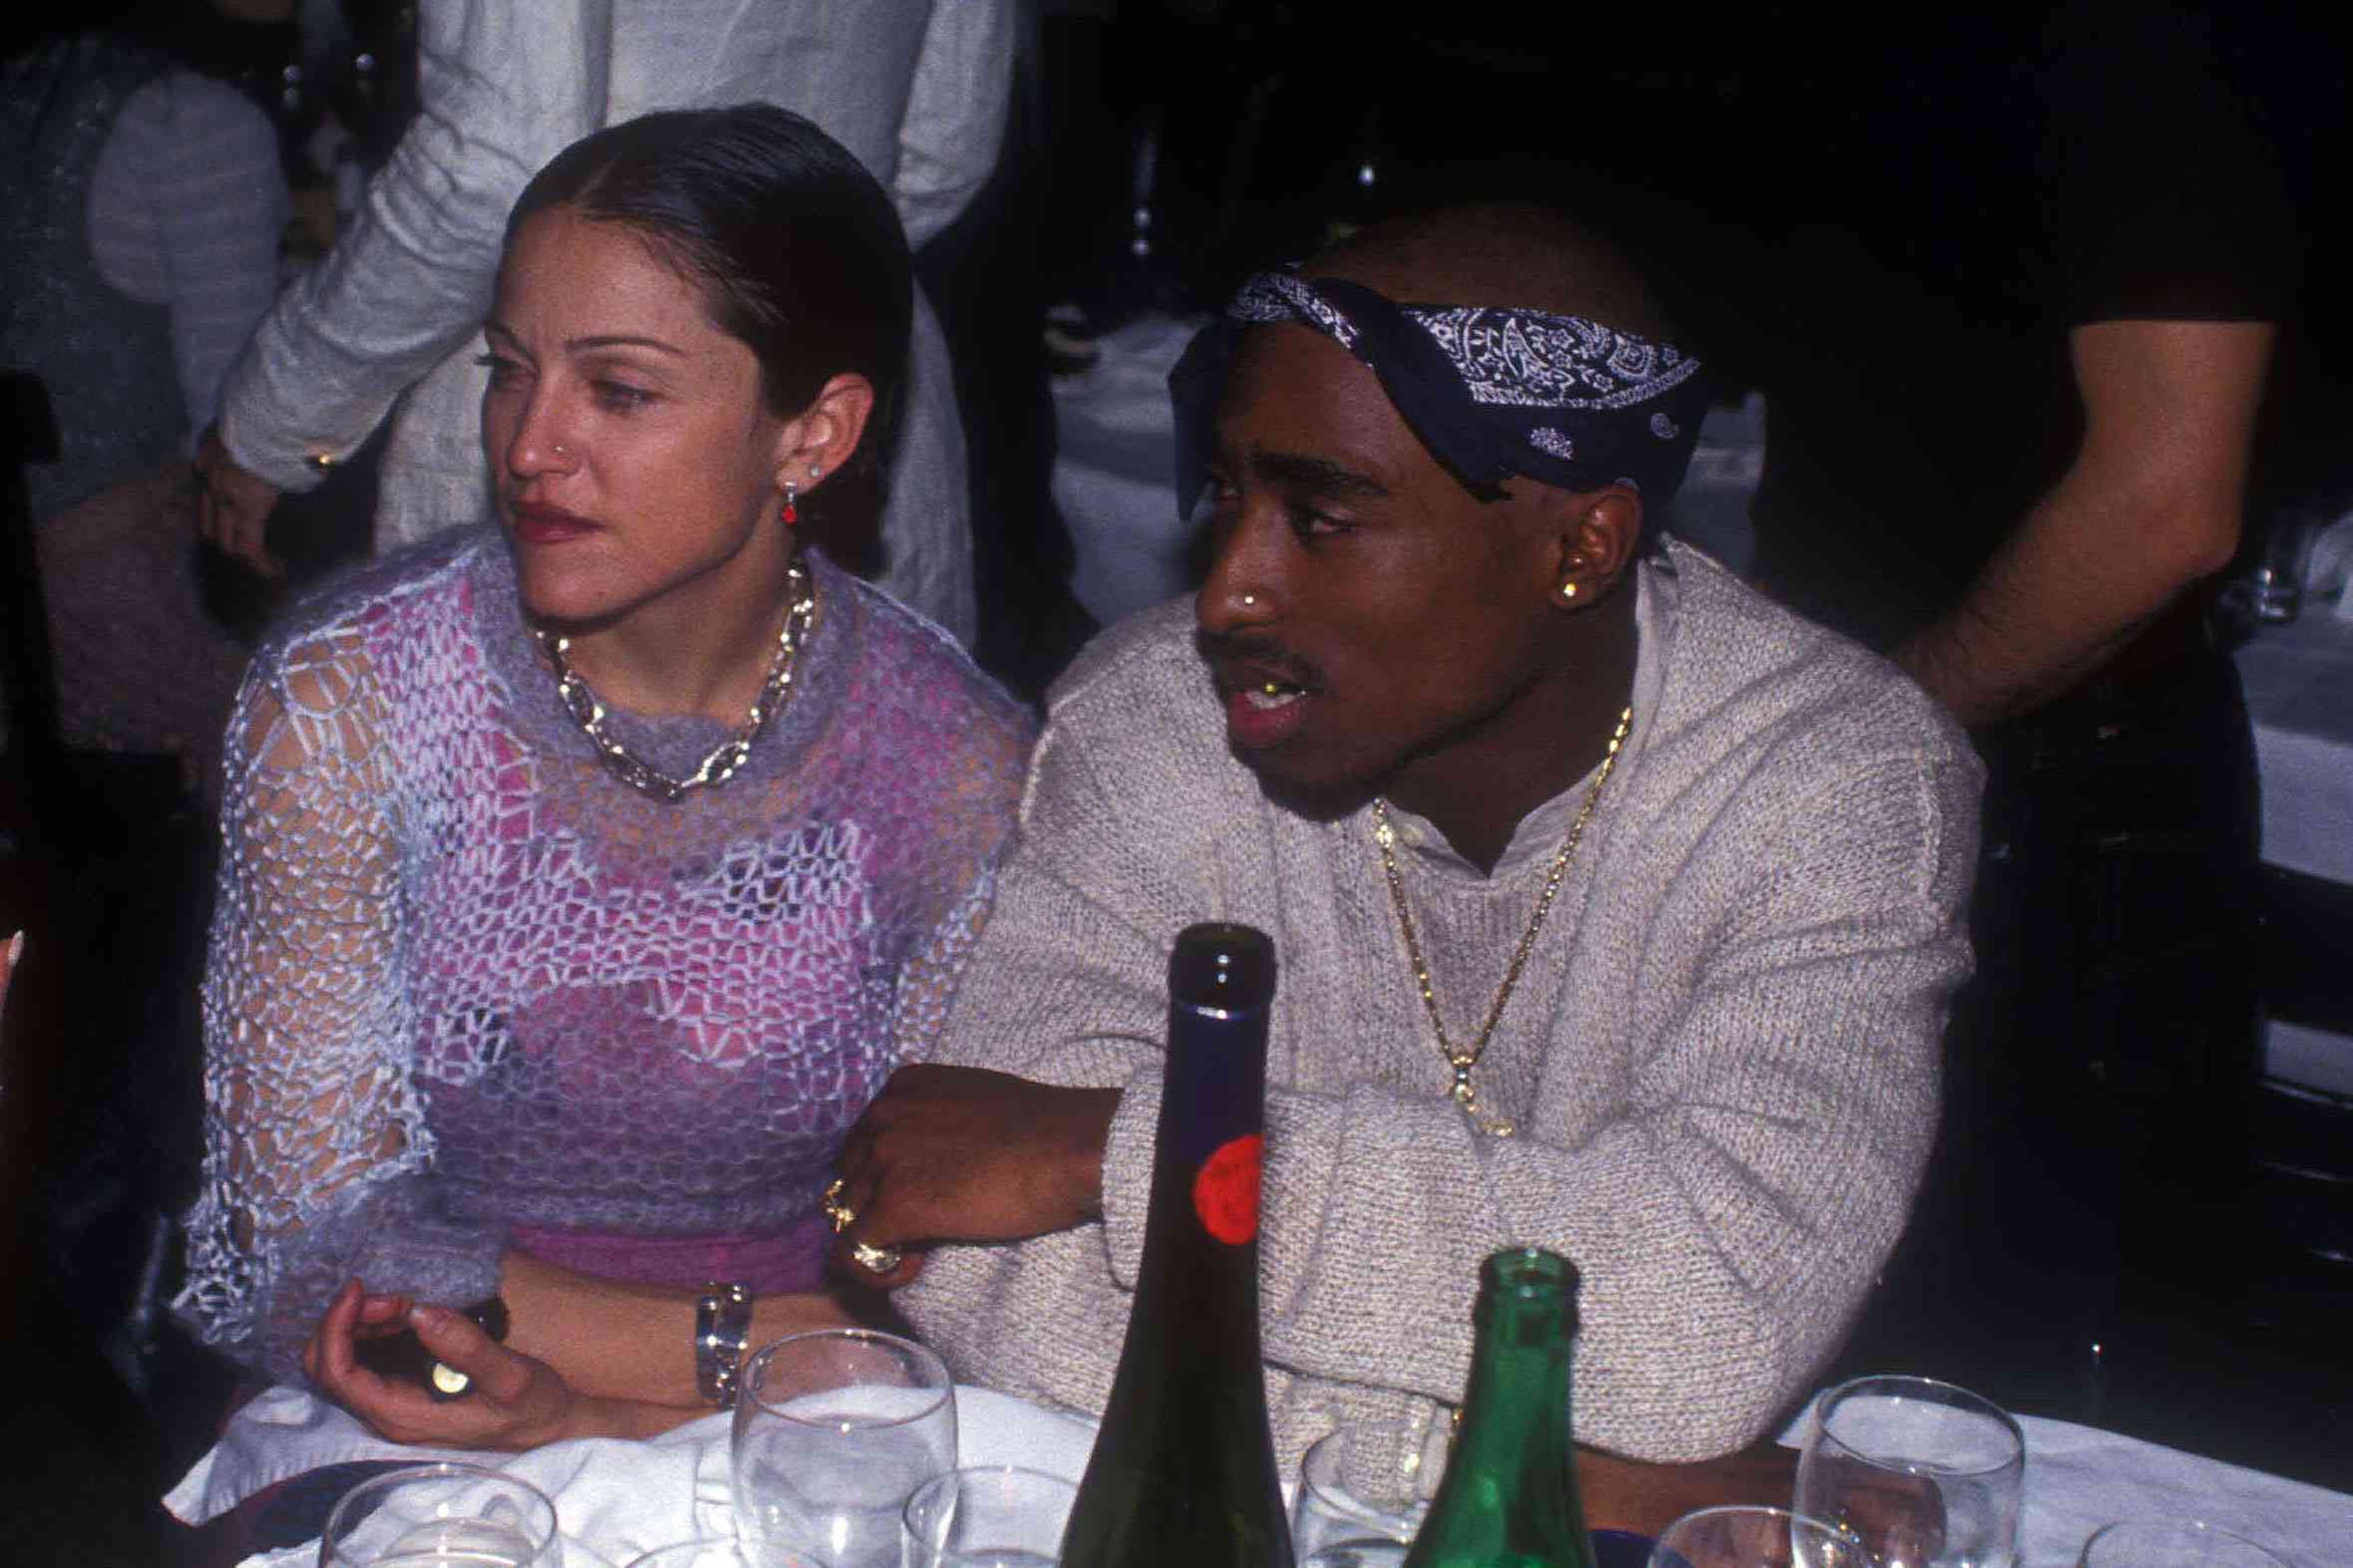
<point x="515" y="1403"/>
<point x="1629" y="1494"/>
<point x="234" y="506"/>
<point x="963" y="1155"/>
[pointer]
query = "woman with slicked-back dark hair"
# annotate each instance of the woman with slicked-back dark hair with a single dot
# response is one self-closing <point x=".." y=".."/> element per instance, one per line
<point x="585" y="875"/>
<point x="823" y="281"/>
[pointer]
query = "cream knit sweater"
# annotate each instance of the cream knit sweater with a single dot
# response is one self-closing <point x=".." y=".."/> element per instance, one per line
<point x="1723" y="1058"/>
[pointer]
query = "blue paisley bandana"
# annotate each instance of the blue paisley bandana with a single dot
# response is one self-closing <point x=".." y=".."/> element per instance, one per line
<point x="1490" y="390"/>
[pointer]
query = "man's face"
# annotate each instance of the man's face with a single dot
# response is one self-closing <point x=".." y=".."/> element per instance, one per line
<point x="1370" y="625"/>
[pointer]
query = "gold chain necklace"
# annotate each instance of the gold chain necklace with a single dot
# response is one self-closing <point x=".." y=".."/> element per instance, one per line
<point x="1462" y="1060"/>
<point x="776" y="690"/>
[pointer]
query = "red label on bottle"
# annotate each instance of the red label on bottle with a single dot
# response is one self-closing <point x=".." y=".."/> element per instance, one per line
<point x="1225" y="1193"/>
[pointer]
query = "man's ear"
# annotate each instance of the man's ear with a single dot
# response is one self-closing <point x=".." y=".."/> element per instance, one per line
<point x="820" y="438"/>
<point x="1596" y="534"/>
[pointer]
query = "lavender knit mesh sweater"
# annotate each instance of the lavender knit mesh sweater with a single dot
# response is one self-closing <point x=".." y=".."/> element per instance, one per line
<point x="1722" y="1057"/>
<point x="464" y="981"/>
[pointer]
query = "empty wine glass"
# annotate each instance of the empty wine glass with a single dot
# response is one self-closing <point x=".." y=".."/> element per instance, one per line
<point x="1924" y="1474"/>
<point x="1366" y="1480"/>
<point x="1752" y="1537"/>
<point x="442" y="1516"/>
<point x="715" y="1551"/>
<point x="2171" y="1543"/>
<point x="991" y="1516"/>
<point x="833" y="1431"/>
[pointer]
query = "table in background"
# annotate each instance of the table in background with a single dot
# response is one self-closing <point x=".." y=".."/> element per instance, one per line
<point x="2299" y="678"/>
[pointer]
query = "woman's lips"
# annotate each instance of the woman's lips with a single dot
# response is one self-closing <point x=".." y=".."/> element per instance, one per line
<point x="537" y="524"/>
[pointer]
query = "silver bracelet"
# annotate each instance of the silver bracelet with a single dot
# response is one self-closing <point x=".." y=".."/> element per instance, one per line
<point x="723" y="1329"/>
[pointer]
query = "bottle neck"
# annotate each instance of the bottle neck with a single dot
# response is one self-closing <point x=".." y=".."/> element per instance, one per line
<point x="1518" y="1400"/>
<point x="1212" y="1114"/>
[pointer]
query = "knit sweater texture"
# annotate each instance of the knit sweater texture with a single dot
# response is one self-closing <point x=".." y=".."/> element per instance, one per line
<point x="1722" y="1058"/>
<point x="463" y="981"/>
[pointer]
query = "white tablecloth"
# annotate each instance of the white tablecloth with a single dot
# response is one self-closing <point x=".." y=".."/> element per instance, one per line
<point x="2299" y="691"/>
<point x="2299" y="695"/>
<point x="617" y="1498"/>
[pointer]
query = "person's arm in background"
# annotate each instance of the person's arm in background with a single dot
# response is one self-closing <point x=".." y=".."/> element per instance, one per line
<point x="955" y="124"/>
<point x="2151" y="506"/>
<point x="2174" y="248"/>
<point x="502" y="86"/>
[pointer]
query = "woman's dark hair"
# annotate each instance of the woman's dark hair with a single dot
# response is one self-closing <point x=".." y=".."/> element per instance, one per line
<point x="800" y="255"/>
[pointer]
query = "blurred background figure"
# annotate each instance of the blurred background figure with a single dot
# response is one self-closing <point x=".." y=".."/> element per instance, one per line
<point x="917" y="90"/>
<point x="150" y="205"/>
<point x="149" y="202"/>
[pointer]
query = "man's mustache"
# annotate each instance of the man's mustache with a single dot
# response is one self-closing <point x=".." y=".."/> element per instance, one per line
<point x="1221" y="650"/>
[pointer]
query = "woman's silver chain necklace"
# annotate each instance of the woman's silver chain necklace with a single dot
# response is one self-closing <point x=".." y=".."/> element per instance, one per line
<point x="774" y="692"/>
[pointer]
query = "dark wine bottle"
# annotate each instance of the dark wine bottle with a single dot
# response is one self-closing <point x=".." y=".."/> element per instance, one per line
<point x="1510" y="1495"/>
<point x="1184" y="1470"/>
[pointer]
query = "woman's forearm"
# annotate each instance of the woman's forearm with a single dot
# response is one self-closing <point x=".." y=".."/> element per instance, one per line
<point x="630" y="1344"/>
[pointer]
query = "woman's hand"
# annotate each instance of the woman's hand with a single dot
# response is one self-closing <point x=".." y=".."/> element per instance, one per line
<point x="514" y="1402"/>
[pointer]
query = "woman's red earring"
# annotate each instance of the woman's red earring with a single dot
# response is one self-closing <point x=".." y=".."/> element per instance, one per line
<point x="792" y="512"/>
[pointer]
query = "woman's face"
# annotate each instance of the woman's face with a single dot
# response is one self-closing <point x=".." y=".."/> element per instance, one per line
<point x="634" y="459"/>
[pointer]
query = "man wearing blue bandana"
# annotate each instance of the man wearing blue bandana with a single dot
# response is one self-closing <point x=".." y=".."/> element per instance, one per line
<point x="1617" y="909"/>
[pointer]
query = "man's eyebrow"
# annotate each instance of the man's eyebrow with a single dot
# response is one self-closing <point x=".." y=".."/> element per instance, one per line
<point x="1319" y="475"/>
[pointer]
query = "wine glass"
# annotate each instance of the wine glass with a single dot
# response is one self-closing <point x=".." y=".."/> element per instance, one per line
<point x="1924" y="1474"/>
<point x="1366" y="1480"/>
<point x="833" y="1431"/>
<point x="712" y="1551"/>
<point x="2171" y="1543"/>
<point x="992" y="1517"/>
<point x="442" y="1516"/>
<point x="1746" y="1536"/>
<point x="1373" y="1551"/>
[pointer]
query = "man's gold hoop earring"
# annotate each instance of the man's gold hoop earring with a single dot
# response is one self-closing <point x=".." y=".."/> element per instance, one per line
<point x="1568" y="589"/>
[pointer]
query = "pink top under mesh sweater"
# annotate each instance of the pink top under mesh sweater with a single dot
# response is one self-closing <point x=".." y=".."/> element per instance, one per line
<point x="468" y="991"/>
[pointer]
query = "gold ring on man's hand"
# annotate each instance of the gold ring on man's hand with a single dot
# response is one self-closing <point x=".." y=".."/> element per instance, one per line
<point x="839" y="1214"/>
<point x="878" y="1260"/>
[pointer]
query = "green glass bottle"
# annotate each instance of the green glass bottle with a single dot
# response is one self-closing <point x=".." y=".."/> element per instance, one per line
<point x="1183" y="1468"/>
<point x="1510" y="1495"/>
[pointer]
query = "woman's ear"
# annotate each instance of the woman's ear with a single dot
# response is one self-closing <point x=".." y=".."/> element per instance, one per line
<point x="820" y="438"/>
<point x="1597" y="532"/>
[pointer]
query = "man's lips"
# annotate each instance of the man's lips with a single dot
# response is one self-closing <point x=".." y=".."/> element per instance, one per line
<point x="537" y="522"/>
<point x="1257" y="718"/>
<point x="1265" y="700"/>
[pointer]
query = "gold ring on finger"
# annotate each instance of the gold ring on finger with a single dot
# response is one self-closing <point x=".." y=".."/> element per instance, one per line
<point x="878" y="1260"/>
<point x="839" y="1214"/>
